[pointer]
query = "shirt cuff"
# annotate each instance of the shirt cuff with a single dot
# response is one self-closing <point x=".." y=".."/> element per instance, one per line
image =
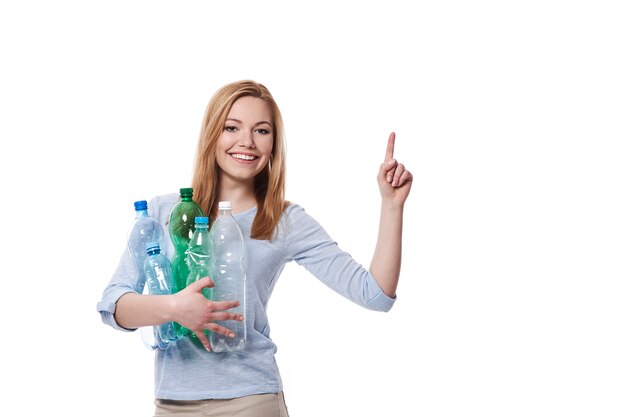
<point x="379" y="300"/>
<point x="382" y="302"/>
<point x="107" y="306"/>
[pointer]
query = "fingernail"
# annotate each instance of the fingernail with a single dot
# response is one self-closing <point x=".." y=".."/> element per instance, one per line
<point x="231" y="334"/>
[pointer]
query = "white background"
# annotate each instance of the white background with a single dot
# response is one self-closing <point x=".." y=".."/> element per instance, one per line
<point x="511" y="116"/>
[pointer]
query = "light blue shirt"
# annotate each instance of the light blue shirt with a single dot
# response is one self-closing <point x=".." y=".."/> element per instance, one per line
<point x="186" y="371"/>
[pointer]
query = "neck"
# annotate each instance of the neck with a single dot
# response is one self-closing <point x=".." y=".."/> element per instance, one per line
<point x="239" y="193"/>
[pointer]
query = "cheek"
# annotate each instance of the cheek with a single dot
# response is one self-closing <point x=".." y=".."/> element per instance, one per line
<point x="267" y="148"/>
<point x="222" y="144"/>
<point x="220" y="155"/>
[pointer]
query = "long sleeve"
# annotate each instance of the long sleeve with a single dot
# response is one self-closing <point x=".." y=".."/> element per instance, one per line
<point x="311" y="247"/>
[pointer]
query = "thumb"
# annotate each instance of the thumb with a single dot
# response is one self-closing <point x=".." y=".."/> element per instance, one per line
<point x="205" y="282"/>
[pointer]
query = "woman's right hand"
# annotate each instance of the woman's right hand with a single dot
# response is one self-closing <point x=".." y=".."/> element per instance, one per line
<point x="193" y="311"/>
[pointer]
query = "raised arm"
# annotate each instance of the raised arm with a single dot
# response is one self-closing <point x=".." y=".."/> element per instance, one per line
<point x="394" y="182"/>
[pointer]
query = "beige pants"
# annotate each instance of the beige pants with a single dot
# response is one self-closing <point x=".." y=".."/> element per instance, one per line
<point x="262" y="405"/>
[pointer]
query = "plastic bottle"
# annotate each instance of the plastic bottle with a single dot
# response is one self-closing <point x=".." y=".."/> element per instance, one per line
<point x="144" y="229"/>
<point x="229" y="276"/>
<point x="181" y="227"/>
<point x="199" y="259"/>
<point x="159" y="279"/>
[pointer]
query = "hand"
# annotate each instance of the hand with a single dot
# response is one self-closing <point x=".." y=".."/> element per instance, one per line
<point x="196" y="313"/>
<point x="394" y="180"/>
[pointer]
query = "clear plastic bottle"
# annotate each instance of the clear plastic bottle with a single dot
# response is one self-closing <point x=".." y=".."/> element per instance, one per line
<point x="199" y="258"/>
<point x="229" y="276"/>
<point x="145" y="229"/>
<point x="181" y="227"/>
<point x="159" y="279"/>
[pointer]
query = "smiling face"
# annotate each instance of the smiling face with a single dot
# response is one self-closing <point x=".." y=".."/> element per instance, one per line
<point x="245" y="145"/>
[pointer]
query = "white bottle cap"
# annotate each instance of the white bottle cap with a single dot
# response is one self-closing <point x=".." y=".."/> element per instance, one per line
<point x="225" y="205"/>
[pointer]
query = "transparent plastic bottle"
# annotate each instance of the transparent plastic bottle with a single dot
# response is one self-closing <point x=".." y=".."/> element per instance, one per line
<point x="199" y="258"/>
<point x="229" y="276"/>
<point x="181" y="227"/>
<point x="159" y="279"/>
<point x="144" y="229"/>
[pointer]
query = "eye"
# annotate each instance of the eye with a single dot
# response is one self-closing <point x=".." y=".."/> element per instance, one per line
<point x="230" y="128"/>
<point x="263" y="131"/>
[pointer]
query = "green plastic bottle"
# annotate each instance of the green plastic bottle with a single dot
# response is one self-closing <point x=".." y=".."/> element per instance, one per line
<point x="199" y="260"/>
<point x="181" y="227"/>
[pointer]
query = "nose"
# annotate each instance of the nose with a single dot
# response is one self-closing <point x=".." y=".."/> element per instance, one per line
<point x="246" y="140"/>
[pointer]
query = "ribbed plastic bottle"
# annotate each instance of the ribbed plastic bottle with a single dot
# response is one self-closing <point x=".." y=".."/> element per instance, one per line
<point x="145" y="229"/>
<point x="158" y="272"/>
<point x="229" y="276"/>
<point x="199" y="258"/>
<point x="181" y="227"/>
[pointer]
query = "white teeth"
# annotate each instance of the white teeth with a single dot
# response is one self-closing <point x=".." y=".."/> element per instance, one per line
<point x="244" y="157"/>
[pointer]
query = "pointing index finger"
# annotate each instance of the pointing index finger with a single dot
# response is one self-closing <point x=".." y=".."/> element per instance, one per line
<point x="390" y="144"/>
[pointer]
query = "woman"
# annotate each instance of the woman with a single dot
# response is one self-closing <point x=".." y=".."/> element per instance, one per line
<point x="240" y="158"/>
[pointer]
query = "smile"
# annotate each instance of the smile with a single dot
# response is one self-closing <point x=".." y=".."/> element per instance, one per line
<point x="243" y="157"/>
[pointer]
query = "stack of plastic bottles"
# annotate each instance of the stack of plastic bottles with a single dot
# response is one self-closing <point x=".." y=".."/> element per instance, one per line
<point x="198" y="252"/>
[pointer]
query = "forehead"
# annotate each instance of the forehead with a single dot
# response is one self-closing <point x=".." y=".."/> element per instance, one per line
<point x="250" y="108"/>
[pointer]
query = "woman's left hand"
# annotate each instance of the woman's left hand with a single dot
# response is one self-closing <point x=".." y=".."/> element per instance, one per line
<point x="394" y="180"/>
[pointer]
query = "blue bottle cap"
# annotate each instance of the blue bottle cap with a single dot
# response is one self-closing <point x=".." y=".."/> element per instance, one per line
<point x="141" y="205"/>
<point x="202" y="220"/>
<point x="152" y="245"/>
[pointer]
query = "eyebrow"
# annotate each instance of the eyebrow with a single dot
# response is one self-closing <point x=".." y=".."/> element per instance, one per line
<point x="256" y="124"/>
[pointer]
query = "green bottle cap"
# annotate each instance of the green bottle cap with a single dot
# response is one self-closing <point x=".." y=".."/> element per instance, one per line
<point x="186" y="192"/>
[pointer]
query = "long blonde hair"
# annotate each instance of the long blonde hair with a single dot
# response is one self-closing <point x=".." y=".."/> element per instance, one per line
<point x="269" y="184"/>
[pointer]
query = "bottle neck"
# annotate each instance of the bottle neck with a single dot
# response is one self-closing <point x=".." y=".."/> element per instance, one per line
<point x="153" y="252"/>
<point x="185" y="198"/>
<point x="141" y="213"/>
<point x="227" y="212"/>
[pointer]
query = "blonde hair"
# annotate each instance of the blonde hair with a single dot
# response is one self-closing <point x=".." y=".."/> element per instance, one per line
<point x="269" y="184"/>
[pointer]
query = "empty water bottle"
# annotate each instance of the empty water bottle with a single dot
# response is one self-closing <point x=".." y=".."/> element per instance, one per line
<point x="144" y="229"/>
<point x="181" y="227"/>
<point x="199" y="258"/>
<point x="159" y="279"/>
<point x="229" y="276"/>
